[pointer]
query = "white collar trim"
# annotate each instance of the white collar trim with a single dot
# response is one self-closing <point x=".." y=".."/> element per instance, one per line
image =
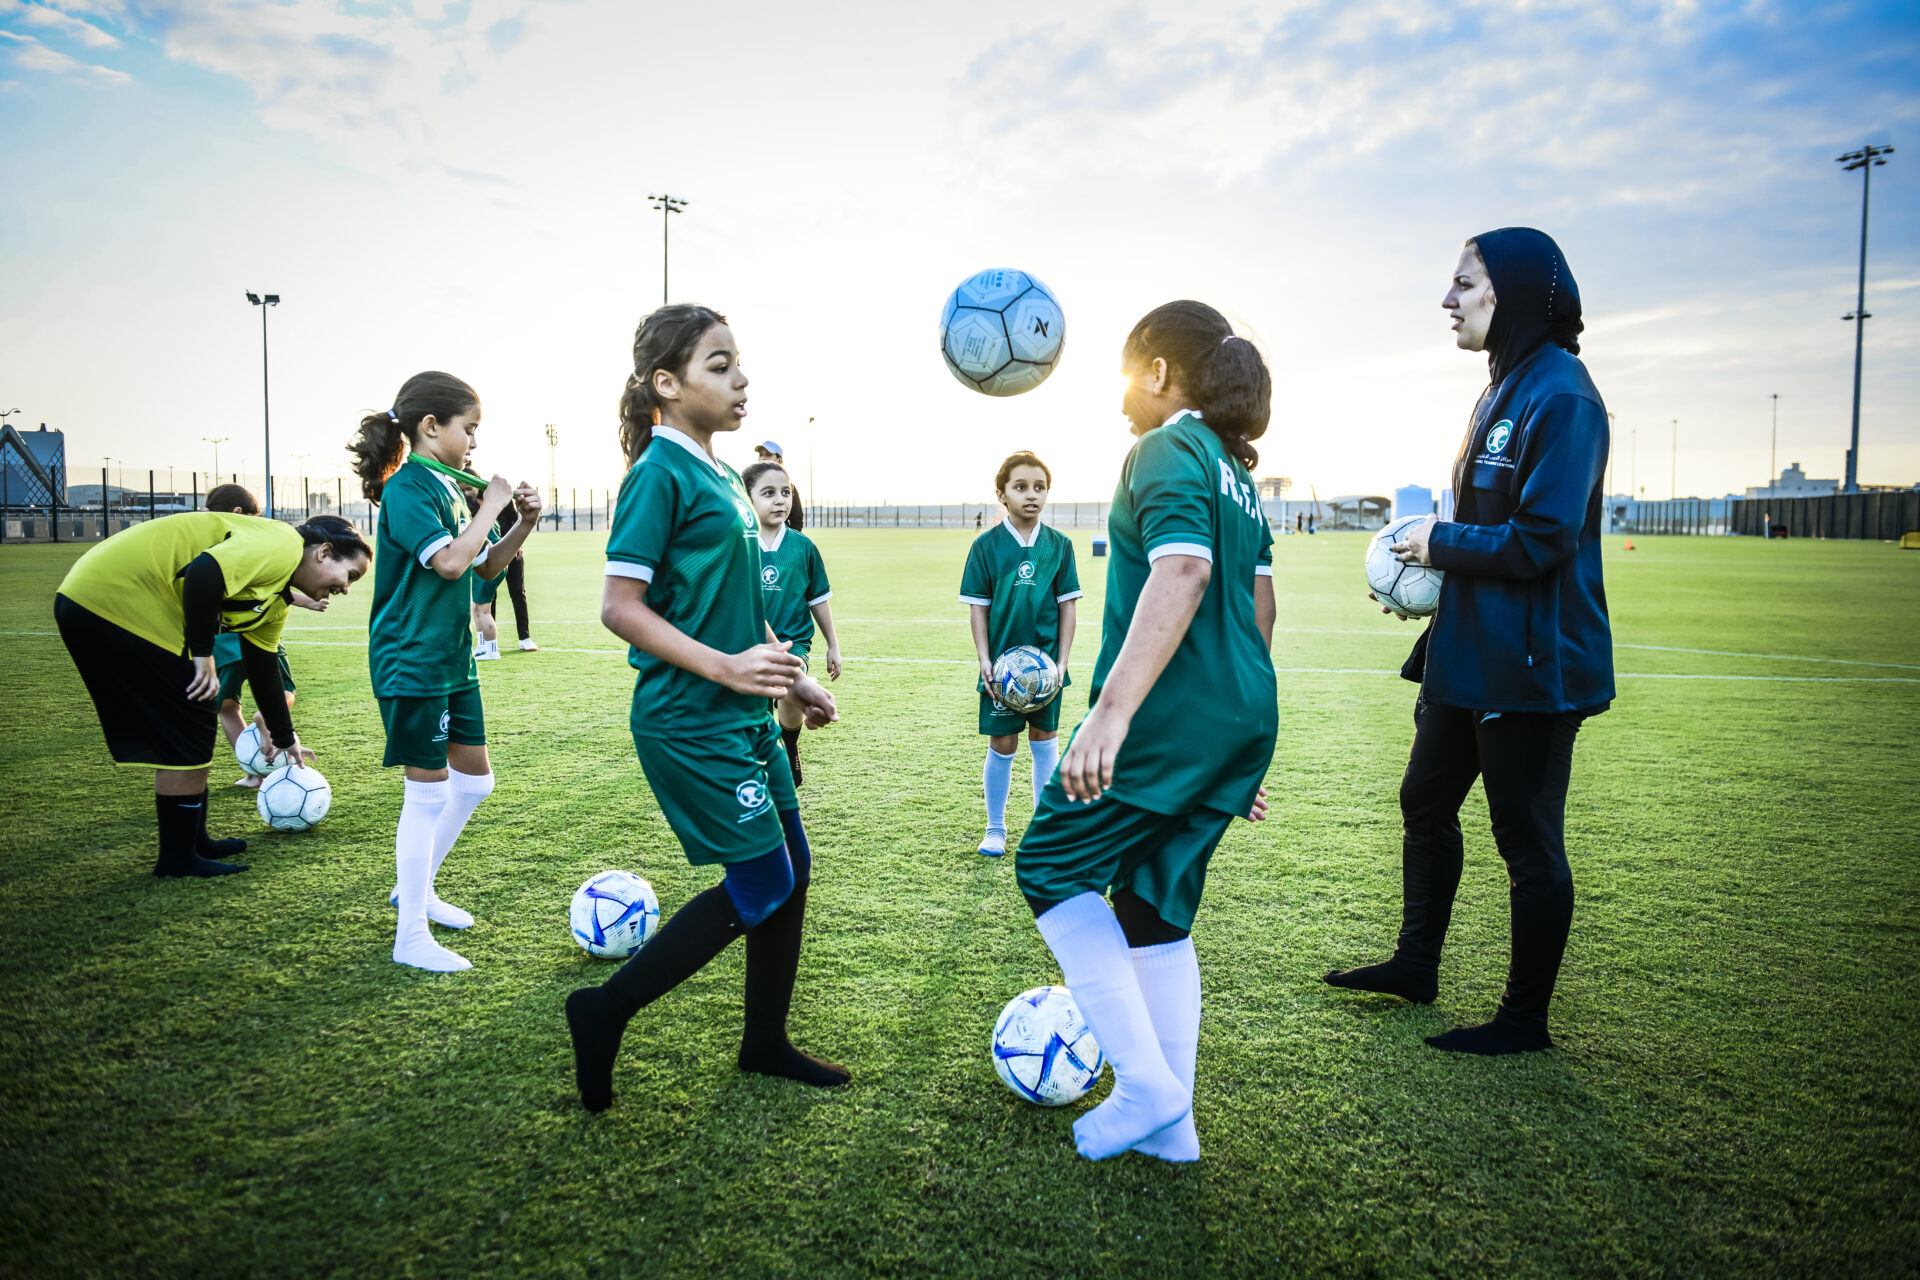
<point x="1025" y="542"/>
<point x="1184" y="413"/>
<point x="778" y="538"/>
<point x="685" y="441"/>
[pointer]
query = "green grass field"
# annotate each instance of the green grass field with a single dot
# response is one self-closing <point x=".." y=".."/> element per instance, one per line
<point x="232" y="1078"/>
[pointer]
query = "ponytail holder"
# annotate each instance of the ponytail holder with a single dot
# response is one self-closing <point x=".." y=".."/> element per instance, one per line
<point x="1229" y="338"/>
<point x="393" y="415"/>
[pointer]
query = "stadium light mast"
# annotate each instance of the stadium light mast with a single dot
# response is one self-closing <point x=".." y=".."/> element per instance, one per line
<point x="811" y="494"/>
<point x="1773" y="450"/>
<point x="1673" y="476"/>
<point x="216" y="442"/>
<point x="1866" y="160"/>
<point x="668" y="206"/>
<point x="266" y="400"/>
<point x="553" y="475"/>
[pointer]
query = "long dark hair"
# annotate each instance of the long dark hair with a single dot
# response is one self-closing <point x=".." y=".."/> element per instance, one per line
<point x="376" y="449"/>
<point x="1222" y="372"/>
<point x="665" y="340"/>
<point x="336" y="532"/>
<point x="796" y="517"/>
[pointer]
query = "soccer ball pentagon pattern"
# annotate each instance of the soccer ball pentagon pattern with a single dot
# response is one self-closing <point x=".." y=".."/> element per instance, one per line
<point x="1002" y="332"/>
<point x="1411" y="588"/>
<point x="1025" y="679"/>
<point x="613" y="914"/>
<point x="252" y="753"/>
<point x="293" y="797"/>
<point x="1043" y="1049"/>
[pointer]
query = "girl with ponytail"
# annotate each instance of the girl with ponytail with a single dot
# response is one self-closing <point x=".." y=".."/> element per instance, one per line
<point x="1181" y="728"/>
<point x="420" y="638"/>
<point x="683" y="589"/>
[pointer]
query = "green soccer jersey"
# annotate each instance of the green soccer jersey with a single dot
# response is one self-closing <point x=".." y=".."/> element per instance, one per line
<point x="1023" y="585"/>
<point x="793" y="579"/>
<point x="420" y="637"/>
<point x="684" y="526"/>
<point x="1204" y="736"/>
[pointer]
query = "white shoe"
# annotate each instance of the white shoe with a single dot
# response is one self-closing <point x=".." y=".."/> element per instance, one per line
<point x="994" y="843"/>
<point x="439" y="911"/>
<point x="527" y="645"/>
<point x="487" y="652"/>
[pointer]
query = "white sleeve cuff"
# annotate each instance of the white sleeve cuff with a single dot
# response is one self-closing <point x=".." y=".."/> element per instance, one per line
<point x="976" y="600"/>
<point x="432" y="549"/>
<point x="621" y="569"/>
<point x="1263" y="571"/>
<point x="1071" y="595"/>
<point x="822" y="598"/>
<point x="1198" y="551"/>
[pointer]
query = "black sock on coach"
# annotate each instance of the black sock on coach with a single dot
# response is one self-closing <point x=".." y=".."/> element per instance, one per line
<point x="182" y="821"/>
<point x="1393" y="977"/>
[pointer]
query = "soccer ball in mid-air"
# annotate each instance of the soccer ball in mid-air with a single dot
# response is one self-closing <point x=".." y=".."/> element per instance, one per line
<point x="293" y="798"/>
<point x="252" y="753"/>
<point x="1413" y="589"/>
<point x="1043" y="1049"/>
<point x="1025" y="679"/>
<point x="1002" y="332"/>
<point x="613" y="913"/>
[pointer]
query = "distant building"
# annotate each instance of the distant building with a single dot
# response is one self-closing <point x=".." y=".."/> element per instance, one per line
<point x="1793" y="483"/>
<point x="1446" y="504"/>
<point x="1273" y="486"/>
<point x="33" y="467"/>
<point x="1413" y="500"/>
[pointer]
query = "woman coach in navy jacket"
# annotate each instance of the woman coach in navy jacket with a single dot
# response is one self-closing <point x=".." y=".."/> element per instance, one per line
<point x="1520" y="651"/>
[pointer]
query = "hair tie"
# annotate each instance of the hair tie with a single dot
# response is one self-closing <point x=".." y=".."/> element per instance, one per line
<point x="1229" y="338"/>
<point x="393" y="415"/>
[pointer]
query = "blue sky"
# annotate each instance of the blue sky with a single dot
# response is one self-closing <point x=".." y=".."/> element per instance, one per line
<point x="463" y="186"/>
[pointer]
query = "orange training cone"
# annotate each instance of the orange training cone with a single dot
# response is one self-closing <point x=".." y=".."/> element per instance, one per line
<point x="1629" y="544"/>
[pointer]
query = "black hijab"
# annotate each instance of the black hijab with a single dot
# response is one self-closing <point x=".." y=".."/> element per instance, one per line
<point x="1535" y="298"/>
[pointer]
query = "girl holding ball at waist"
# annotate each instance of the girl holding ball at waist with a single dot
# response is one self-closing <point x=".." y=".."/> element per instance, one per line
<point x="793" y="587"/>
<point x="1181" y="728"/>
<point x="140" y="612"/>
<point x="1520" y="650"/>
<point x="1019" y="587"/>
<point x="420" y="642"/>
<point x="683" y="589"/>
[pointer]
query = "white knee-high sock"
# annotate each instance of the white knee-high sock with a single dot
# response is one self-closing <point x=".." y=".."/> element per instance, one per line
<point x="1169" y="977"/>
<point x="413" y="865"/>
<point x="1046" y="757"/>
<point x="998" y="778"/>
<point x="1147" y="1097"/>
<point x="466" y="791"/>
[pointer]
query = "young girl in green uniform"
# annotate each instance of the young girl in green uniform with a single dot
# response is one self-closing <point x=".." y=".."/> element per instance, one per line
<point x="683" y="589"/>
<point x="420" y="644"/>
<point x="793" y="588"/>
<point x="1020" y="585"/>
<point x="1181" y="727"/>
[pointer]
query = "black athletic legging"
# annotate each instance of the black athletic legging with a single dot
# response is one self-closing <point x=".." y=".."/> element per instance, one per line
<point x="517" y="592"/>
<point x="1526" y="761"/>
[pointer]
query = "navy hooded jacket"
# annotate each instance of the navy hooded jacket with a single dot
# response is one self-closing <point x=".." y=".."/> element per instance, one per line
<point x="1522" y="622"/>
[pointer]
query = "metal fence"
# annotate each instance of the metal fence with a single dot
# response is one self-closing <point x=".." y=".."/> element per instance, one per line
<point x="952" y="515"/>
<point x="1883" y="514"/>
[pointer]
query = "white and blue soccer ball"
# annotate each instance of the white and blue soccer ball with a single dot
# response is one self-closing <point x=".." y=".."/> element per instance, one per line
<point x="1001" y="332"/>
<point x="1413" y="589"/>
<point x="251" y="752"/>
<point x="1043" y="1049"/>
<point x="1025" y="679"/>
<point x="613" y="913"/>
<point x="293" y="797"/>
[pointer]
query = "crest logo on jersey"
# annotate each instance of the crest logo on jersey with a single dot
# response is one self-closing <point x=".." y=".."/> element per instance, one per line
<point x="769" y="575"/>
<point x="1501" y="433"/>
<point x="747" y="517"/>
<point x="753" y="797"/>
<point x="446" y="719"/>
<point x="1026" y="571"/>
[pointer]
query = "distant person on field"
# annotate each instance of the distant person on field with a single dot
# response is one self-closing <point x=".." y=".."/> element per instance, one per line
<point x="768" y="451"/>
<point x="1020" y="587"/>
<point x="227" y="657"/>
<point x="793" y="589"/>
<point x="1520" y="651"/>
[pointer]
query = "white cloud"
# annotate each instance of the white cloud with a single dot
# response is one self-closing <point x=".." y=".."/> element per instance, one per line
<point x="31" y="54"/>
<point x="51" y="19"/>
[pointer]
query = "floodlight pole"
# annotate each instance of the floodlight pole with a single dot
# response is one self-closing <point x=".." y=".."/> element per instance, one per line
<point x="810" y="488"/>
<point x="1866" y="159"/>
<point x="1773" y="450"/>
<point x="1673" y="476"/>
<point x="266" y="400"/>
<point x="668" y="206"/>
<point x="553" y="481"/>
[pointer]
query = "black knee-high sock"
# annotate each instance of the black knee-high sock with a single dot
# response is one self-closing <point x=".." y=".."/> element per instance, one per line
<point x="207" y="846"/>
<point x="773" y="960"/>
<point x="597" y="1016"/>
<point x="180" y="822"/>
<point x="790" y="738"/>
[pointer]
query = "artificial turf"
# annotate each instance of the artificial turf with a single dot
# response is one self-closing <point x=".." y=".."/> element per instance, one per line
<point x="231" y="1078"/>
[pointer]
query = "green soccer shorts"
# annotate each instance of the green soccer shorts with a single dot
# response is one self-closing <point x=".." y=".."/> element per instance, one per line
<point x="1072" y="848"/>
<point x="419" y="729"/>
<point x="486" y="590"/>
<point x="999" y="721"/>
<point x="233" y="677"/>
<point x="722" y="792"/>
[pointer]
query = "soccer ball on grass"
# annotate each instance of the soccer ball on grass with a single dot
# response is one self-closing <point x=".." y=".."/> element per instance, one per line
<point x="251" y="752"/>
<point x="293" y="797"/>
<point x="613" y="913"/>
<point x="1043" y="1049"/>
